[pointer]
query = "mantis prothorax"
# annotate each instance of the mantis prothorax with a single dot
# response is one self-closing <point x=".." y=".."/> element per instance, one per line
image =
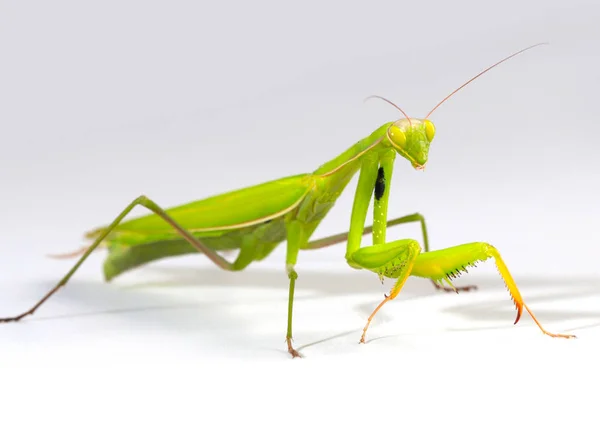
<point x="257" y="219"/>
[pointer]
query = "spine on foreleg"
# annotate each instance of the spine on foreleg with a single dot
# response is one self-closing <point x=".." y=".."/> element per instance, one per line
<point x="453" y="261"/>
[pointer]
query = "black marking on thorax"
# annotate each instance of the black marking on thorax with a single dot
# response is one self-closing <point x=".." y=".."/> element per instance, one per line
<point x="380" y="184"/>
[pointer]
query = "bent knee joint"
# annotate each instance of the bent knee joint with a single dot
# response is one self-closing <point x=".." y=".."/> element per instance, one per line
<point x="291" y="273"/>
<point x="387" y="259"/>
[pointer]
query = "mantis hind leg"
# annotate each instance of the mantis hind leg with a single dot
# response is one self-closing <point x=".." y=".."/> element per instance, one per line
<point x="451" y="262"/>
<point x="416" y="217"/>
<point x="244" y="258"/>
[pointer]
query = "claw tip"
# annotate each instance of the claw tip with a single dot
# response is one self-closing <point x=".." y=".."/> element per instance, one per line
<point x="519" y="312"/>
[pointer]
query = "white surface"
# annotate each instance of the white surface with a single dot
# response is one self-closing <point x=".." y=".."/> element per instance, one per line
<point x="103" y="101"/>
<point x="186" y="344"/>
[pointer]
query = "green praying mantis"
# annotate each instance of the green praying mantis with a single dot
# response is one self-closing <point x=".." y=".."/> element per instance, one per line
<point x="256" y="219"/>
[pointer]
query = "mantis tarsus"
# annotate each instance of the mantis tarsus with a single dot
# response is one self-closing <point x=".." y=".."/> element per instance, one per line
<point x="257" y="219"/>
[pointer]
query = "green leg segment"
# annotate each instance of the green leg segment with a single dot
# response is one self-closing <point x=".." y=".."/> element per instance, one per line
<point x="295" y="236"/>
<point x="393" y="260"/>
<point x="416" y="217"/>
<point x="401" y="259"/>
<point x="451" y="262"/>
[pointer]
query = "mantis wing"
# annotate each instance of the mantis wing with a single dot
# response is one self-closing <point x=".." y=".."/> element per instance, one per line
<point x="216" y="215"/>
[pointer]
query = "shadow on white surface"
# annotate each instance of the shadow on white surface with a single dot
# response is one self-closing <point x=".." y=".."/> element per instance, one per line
<point x="211" y="340"/>
<point x="212" y="313"/>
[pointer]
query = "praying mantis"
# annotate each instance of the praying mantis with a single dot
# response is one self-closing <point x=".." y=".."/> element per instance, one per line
<point x="256" y="219"/>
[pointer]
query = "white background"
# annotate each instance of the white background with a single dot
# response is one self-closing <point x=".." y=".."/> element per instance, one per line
<point x="103" y="101"/>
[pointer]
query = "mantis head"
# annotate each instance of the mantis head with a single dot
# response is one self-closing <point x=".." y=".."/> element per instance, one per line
<point x="411" y="137"/>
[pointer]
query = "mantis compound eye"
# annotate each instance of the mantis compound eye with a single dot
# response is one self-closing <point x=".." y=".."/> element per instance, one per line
<point x="397" y="136"/>
<point x="429" y="130"/>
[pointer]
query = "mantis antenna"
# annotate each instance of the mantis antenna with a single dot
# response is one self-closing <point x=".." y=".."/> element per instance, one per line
<point x="389" y="102"/>
<point x="484" y="71"/>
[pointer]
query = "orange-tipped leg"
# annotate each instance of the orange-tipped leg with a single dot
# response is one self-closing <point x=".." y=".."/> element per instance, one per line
<point x="564" y="336"/>
<point x="453" y="261"/>
<point x="362" y="338"/>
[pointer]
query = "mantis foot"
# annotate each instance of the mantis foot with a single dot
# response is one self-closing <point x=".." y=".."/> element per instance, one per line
<point x="465" y="288"/>
<point x="17" y="318"/>
<point x="291" y="349"/>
